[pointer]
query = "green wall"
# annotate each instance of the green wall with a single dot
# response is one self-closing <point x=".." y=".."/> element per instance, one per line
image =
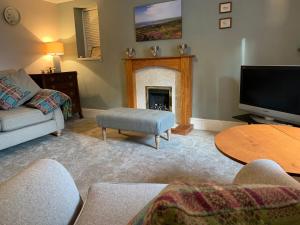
<point x="264" y="32"/>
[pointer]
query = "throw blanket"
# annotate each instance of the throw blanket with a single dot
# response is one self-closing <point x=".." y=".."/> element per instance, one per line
<point x="48" y="100"/>
<point x="206" y="204"/>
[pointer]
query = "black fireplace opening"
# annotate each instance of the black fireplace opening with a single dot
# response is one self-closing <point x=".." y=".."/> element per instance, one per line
<point x="159" y="98"/>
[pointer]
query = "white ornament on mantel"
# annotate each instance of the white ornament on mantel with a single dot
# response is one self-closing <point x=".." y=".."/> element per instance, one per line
<point x="155" y="50"/>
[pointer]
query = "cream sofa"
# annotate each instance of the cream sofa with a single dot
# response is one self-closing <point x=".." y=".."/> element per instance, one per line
<point x="22" y="123"/>
<point x="45" y="194"/>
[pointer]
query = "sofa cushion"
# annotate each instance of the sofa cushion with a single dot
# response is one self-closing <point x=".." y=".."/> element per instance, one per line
<point x="116" y="204"/>
<point x="216" y="205"/>
<point x="21" y="117"/>
<point x="10" y="93"/>
<point x="22" y="79"/>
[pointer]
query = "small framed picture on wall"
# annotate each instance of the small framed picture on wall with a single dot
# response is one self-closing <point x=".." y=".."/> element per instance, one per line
<point x="225" y="23"/>
<point x="225" y="7"/>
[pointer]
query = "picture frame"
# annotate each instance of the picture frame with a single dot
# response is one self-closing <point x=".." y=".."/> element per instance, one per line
<point x="225" y="23"/>
<point x="158" y="21"/>
<point x="225" y="7"/>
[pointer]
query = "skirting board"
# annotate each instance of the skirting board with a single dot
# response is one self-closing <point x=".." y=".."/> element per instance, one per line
<point x="199" y="124"/>
<point x="213" y="125"/>
<point x="91" y="113"/>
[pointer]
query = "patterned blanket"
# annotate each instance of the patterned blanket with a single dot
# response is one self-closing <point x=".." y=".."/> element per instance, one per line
<point x="48" y="100"/>
<point x="206" y="204"/>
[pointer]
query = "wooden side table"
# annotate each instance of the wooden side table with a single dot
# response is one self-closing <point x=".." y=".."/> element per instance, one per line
<point x="65" y="82"/>
<point x="250" y="142"/>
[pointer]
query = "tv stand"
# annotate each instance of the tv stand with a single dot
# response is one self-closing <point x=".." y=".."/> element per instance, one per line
<point x="253" y="119"/>
<point x="266" y="120"/>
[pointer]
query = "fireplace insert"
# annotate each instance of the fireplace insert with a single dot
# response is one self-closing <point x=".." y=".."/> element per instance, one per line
<point x="159" y="98"/>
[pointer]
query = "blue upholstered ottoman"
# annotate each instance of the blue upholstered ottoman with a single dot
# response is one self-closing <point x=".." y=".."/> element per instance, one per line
<point x="141" y="120"/>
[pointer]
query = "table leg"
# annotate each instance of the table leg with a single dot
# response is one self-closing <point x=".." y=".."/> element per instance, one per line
<point x="157" y="141"/>
<point x="104" y="133"/>
<point x="169" y="134"/>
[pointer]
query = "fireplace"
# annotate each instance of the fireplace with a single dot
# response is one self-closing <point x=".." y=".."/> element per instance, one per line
<point x="182" y="64"/>
<point x="159" y="98"/>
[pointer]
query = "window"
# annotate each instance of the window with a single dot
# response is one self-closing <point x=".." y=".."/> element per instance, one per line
<point x="87" y="33"/>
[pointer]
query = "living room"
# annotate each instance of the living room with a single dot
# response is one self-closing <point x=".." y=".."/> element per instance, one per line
<point x="105" y="142"/>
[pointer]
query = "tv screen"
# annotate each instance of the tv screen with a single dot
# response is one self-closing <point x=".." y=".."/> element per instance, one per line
<point x="271" y="87"/>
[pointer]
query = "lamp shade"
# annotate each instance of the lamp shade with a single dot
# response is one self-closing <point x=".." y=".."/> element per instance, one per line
<point x="54" y="48"/>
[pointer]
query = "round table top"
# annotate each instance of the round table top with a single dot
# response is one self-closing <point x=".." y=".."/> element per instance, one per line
<point x="250" y="142"/>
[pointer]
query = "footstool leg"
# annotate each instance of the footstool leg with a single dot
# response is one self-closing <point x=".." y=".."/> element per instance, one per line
<point x="157" y="141"/>
<point x="104" y="133"/>
<point x="169" y="134"/>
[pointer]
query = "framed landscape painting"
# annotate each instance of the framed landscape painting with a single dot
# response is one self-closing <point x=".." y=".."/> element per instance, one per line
<point x="158" y="21"/>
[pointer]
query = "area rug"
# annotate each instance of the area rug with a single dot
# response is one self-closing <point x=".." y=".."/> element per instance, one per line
<point x="125" y="158"/>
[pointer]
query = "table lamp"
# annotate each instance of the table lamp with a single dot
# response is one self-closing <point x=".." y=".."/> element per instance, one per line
<point x="55" y="49"/>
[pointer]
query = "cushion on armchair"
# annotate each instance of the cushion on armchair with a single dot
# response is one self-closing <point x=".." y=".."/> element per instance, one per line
<point x="10" y="94"/>
<point x="206" y="204"/>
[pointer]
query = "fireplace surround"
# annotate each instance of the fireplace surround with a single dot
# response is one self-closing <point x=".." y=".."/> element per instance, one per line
<point x="182" y="64"/>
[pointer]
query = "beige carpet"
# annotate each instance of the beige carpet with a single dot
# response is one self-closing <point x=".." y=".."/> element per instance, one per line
<point x="123" y="158"/>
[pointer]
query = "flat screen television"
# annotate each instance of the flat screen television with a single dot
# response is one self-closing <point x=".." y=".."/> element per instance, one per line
<point x="272" y="92"/>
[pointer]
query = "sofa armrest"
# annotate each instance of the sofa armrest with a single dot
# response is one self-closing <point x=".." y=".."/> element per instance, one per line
<point x="264" y="171"/>
<point x="44" y="193"/>
<point x="116" y="204"/>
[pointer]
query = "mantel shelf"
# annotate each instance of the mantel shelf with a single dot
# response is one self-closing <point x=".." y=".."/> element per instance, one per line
<point x="161" y="57"/>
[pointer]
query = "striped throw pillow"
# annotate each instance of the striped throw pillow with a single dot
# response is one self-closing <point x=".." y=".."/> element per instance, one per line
<point x="47" y="100"/>
<point x="10" y="94"/>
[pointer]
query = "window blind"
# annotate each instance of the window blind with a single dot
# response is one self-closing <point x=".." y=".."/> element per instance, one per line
<point x="91" y="31"/>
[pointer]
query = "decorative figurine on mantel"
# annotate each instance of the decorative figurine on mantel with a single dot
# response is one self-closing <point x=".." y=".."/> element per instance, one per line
<point x="155" y="50"/>
<point x="182" y="48"/>
<point x="130" y="52"/>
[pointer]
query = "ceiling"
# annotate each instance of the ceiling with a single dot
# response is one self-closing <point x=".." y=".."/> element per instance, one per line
<point x="58" y="1"/>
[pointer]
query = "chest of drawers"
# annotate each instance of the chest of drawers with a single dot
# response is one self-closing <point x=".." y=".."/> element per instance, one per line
<point x="65" y="82"/>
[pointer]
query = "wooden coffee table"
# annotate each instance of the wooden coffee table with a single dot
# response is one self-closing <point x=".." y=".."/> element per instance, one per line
<point x="250" y="142"/>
